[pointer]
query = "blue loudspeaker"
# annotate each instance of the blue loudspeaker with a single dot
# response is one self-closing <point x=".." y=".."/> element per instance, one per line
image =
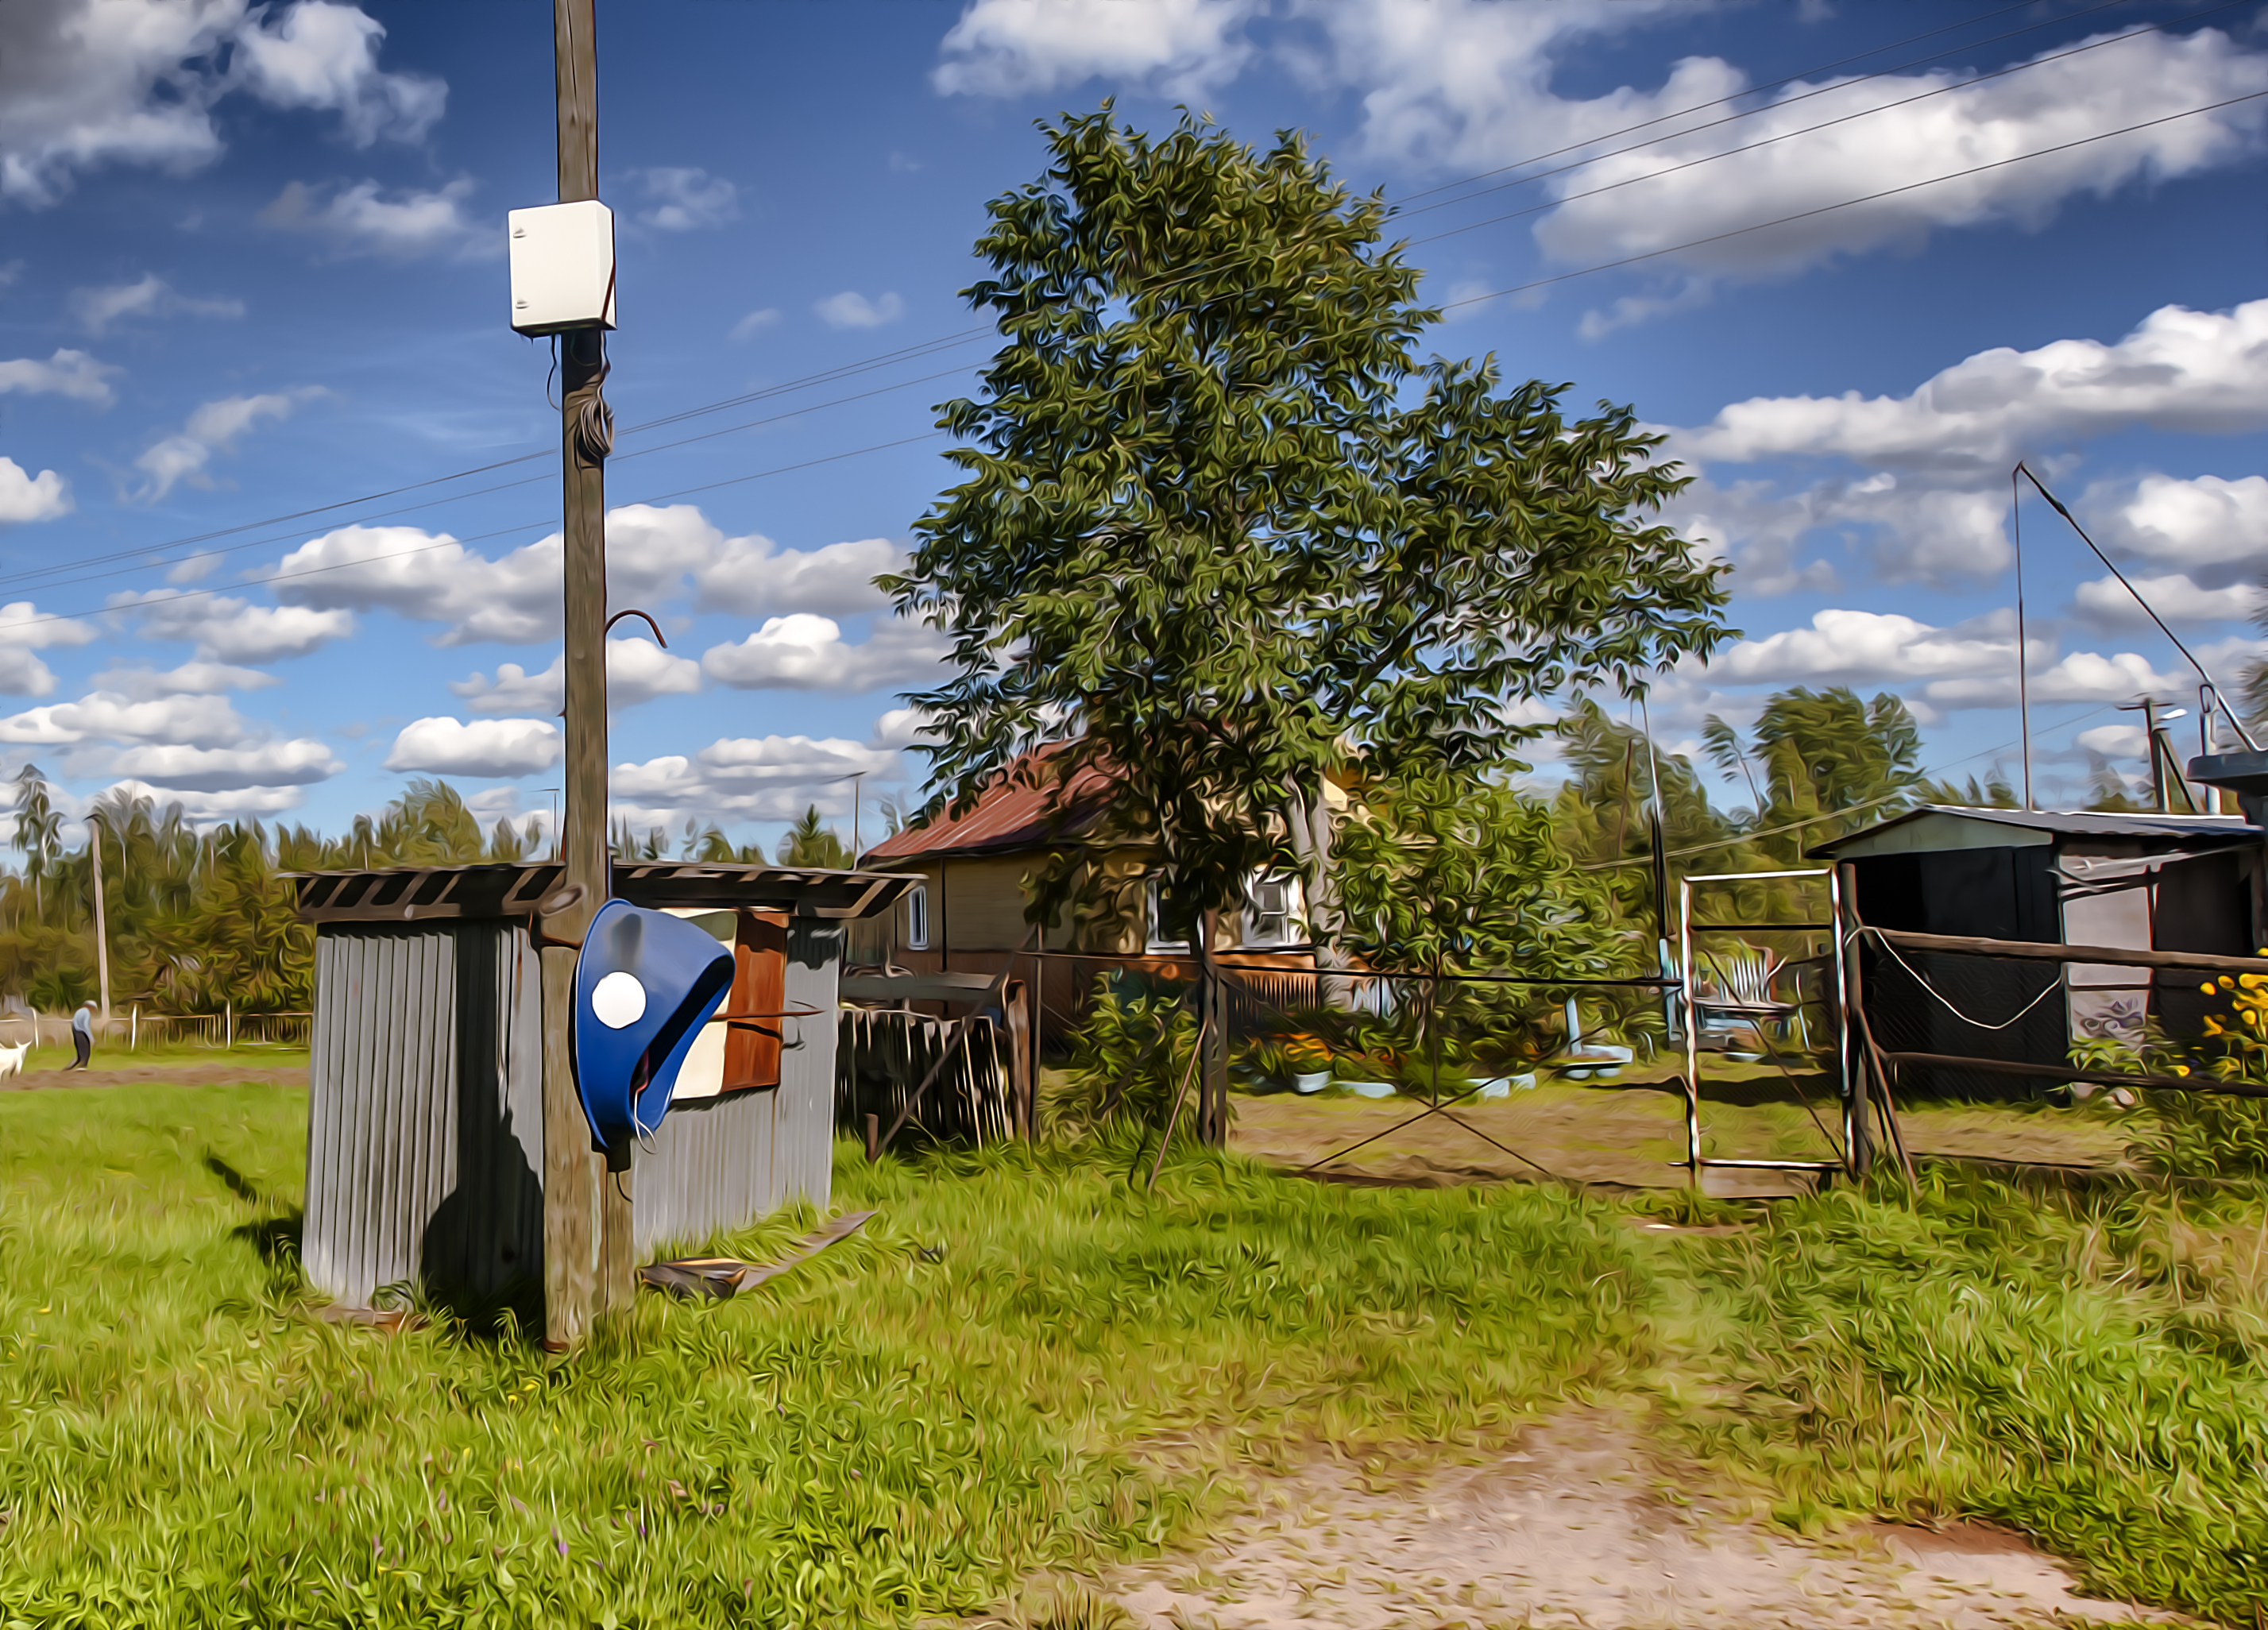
<point x="644" y="984"/>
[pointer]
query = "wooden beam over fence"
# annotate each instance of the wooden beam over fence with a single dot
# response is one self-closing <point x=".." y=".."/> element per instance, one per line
<point x="2038" y="951"/>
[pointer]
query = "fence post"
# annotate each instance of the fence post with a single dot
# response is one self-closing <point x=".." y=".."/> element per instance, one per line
<point x="134" y="1029"/>
<point x="1013" y="1007"/>
<point x="228" y="1017"/>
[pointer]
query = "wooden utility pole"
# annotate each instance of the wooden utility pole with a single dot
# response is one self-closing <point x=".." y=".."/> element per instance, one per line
<point x="101" y="931"/>
<point x="587" y="1267"/>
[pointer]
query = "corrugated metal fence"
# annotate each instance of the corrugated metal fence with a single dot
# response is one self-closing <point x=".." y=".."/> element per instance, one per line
<point x="425" y="1134"/>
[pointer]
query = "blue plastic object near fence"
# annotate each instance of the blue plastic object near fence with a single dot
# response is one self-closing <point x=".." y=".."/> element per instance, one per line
<point x="644" y="984"/>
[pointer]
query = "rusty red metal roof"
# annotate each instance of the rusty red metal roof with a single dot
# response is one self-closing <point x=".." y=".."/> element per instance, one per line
<point x="1009" y="816"/>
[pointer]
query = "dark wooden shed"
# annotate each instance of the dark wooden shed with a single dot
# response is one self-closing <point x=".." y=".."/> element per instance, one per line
<point x="2134" y="881"/>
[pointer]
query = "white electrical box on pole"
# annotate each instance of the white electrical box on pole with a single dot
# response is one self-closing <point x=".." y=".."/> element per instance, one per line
<point x="562" y="267"/>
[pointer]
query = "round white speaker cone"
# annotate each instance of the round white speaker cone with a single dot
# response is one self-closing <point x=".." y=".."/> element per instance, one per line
<point x="617" y="1000"/>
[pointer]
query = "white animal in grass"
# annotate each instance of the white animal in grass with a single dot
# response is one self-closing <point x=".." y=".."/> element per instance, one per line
<point x="12" y="1059"/>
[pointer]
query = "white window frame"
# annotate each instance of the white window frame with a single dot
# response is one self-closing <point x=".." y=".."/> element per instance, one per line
<point x="1293" y="931"/>
<point x="918" y="922"/>
<point x="1153" y="920"/>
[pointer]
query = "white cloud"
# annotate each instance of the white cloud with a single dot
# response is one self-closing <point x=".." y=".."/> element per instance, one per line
<point x="801" y="652"/>
<point x="150" y="296"/>
<point x="72" y="373"/>
<point x="1970" y="665"/>
<point x="753" y="576"/>
<point x="2179" y="370"/>
<point x="86" y="83"/>
<point x="654" y="553"/>
<point x="486" y="747"/>
<point x="25" y="496"/>
<point x="229" y="769"/>
<point x="2115" y="741"/>
<point x="750" y="778"/>
<point x="213" y="428"/>
<point x="2143" y="77"/>
<point x="23" y="631"/>
<point x="900" y="727"/>
<point x="755" y="322"/>
<point x="205" y="721"/>
<point x="244" y="804"/>
<point x="683" y="198"/>
<point x="1008" y="47"/>
<point x="361" y="219"/>
<point x="2205" y="521"/>
<point x="324" y="56"/>
<point x="1856" y="647"/>
<point x="2082" y="676"/>
<point x="2174" y="596"/>
<point x="852" y="310"/>
<point x="189" y="679"/>
<point x="229" y="630"/>
<point x="637" y="670"/>
<point x="1933" y="504"/>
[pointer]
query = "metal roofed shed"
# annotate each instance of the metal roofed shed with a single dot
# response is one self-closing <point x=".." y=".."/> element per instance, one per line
<point x="426" y="1099"/>
<point x="2132" y="882"/>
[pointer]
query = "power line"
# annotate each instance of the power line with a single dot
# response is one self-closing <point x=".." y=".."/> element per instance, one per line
<point x="1470" y="300"/>
<point x="924" y="347"/>
<point x="44" y="578"/>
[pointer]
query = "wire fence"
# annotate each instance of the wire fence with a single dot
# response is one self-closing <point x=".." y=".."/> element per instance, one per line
<point x="134" y="1030"/>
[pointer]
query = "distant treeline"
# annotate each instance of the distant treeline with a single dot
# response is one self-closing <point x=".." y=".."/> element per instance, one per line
<point x="200" y="919"/>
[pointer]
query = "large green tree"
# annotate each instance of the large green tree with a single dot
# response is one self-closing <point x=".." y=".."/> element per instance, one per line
<point x="1223" y="525"/>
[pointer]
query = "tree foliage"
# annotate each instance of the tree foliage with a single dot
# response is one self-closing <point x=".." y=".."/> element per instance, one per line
<point x="1223" y="525"/>
<point x="1817" y="754"/>
<point x="810" y="842"/>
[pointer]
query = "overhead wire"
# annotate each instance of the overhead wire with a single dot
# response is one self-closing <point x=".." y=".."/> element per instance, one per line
<point x="1469" y="300"/>
<point x="46" y="578"/>
<point x="924" y="347"/>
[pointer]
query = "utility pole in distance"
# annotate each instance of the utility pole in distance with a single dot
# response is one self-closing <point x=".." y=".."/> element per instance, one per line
<point x="101" y="930"/>
<point x="586" y="1266"/>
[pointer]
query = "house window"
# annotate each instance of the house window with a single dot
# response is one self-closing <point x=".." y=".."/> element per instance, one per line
<point x="1272" y="911"/>
<point x="918" y="918"/>
<point x="1157" y="936"/>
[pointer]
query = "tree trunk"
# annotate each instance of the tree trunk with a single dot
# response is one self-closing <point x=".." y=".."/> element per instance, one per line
<point x="1212" y="1070"/>
<point x="1311" y="841"/>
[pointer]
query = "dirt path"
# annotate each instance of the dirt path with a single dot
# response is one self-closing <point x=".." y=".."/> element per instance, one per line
<point x="165" y="1074"/>
<point x="1572" y="1532"/>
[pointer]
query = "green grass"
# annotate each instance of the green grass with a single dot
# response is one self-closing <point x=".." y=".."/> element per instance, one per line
<point x="1023" y="1366"/>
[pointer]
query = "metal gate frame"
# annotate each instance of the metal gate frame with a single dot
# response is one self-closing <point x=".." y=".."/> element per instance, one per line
<point x="1696" y="1163"/>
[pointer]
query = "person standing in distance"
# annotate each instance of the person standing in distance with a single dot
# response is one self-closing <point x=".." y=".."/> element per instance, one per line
<point x="82" y="1036"/>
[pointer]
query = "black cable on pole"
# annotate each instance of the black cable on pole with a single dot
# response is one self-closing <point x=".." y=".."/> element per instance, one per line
<point x="2056" y="503"/>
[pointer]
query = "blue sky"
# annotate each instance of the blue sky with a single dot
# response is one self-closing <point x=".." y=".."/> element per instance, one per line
<point x="251" y="272"/>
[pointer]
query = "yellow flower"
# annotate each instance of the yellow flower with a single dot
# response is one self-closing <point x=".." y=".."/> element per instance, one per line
<point x="2181" y="1069"/>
